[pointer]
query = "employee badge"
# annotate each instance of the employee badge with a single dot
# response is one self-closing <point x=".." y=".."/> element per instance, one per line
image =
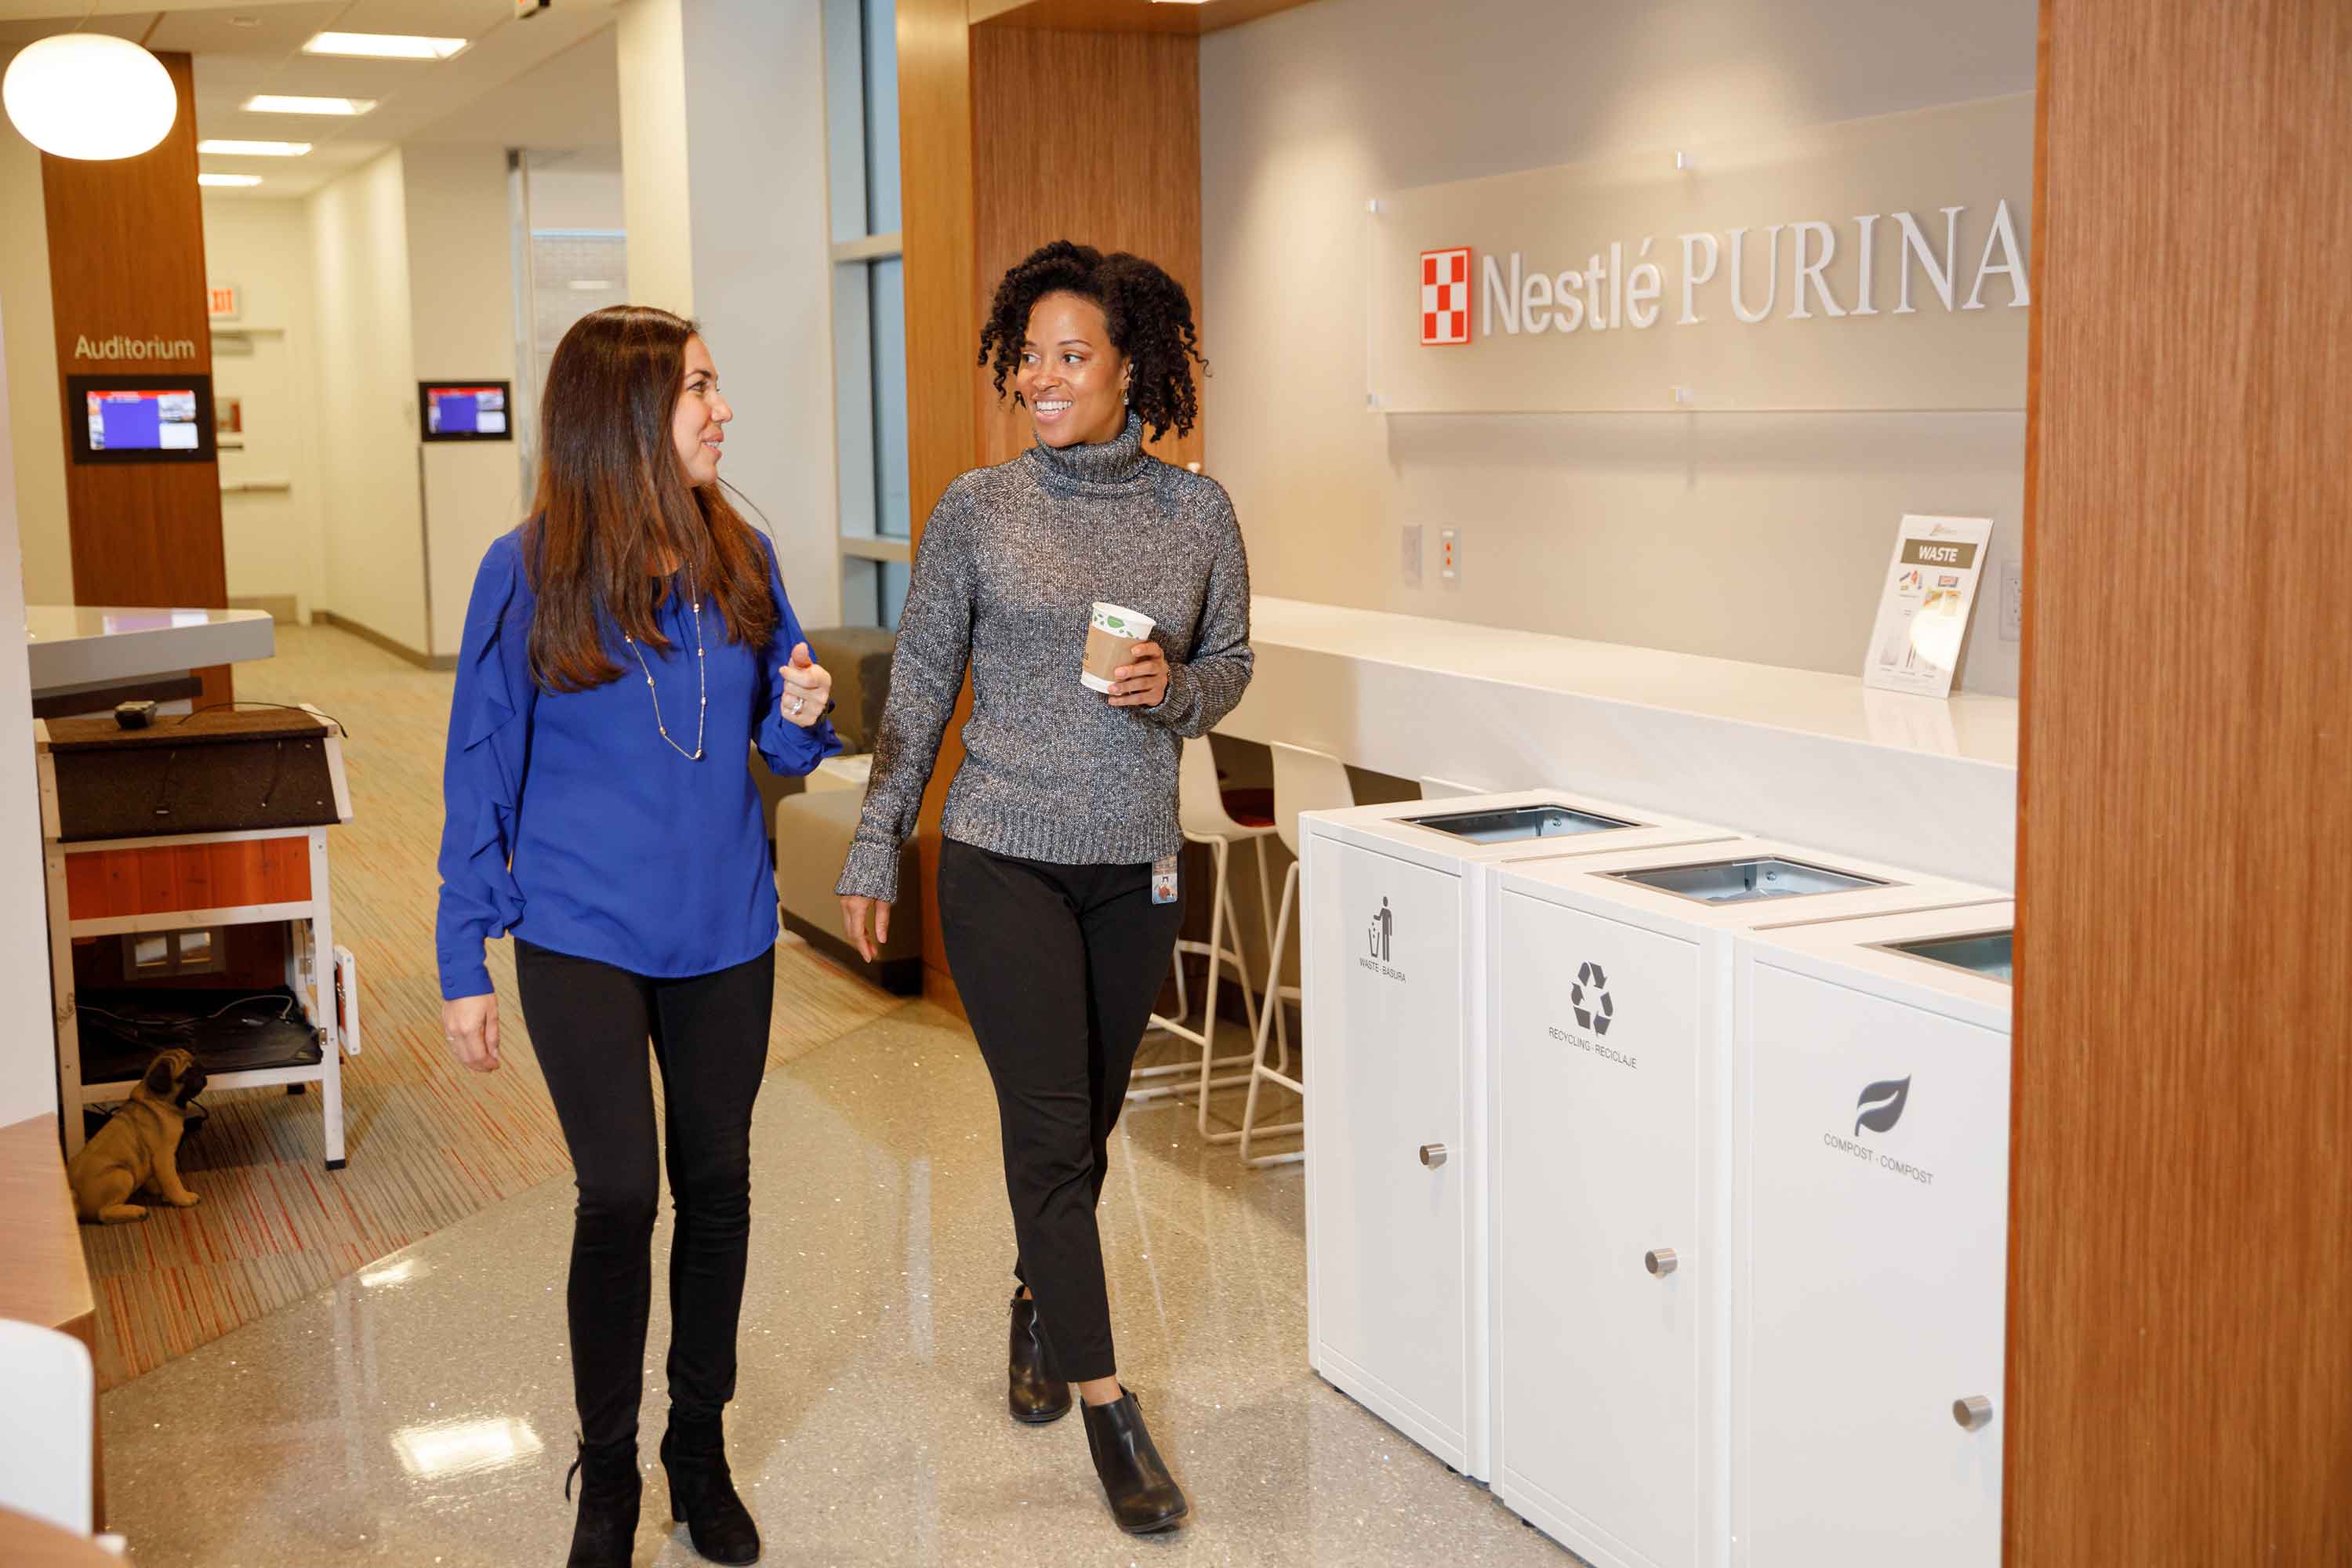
<point x="1163" y="880"/>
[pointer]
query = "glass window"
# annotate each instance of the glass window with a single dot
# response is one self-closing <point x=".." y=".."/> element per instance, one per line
<point x="881" y="117"/>
<point x="869" y="302"/>
<point x="885" y="282"/>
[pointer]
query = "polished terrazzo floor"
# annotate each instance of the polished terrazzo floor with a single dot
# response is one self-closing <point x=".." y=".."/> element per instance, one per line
<point x="420" y="1413"/>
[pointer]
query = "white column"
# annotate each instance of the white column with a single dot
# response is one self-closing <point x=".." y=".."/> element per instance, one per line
<point x="653" y="167"/>
<point x="29" y="1082"/>
<point x="723" y="154"/>
<point x="37" y="423"/>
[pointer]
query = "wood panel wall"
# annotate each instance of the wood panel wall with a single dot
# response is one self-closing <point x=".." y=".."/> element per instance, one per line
<point x="127" y="256"/>
<point x="1193" y="18"/>
<point x="1130" y="181"/>
<point x="984" y="179"/>
<point x="935" y="170"/>
<point x="2181" y="1283"/>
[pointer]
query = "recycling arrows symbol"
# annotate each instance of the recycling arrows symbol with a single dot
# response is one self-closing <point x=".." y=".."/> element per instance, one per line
<point x="1588" y="998"/>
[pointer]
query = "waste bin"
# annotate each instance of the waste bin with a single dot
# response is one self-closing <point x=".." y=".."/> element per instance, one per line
<point x="1611" y="1136"/>
<point x="1395" y="988"/>
<point x="1870" y="1240"/>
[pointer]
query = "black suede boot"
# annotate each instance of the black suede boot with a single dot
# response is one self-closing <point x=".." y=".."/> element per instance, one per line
<point x="1144" y="1496"/>
<point x="1034" y="1394"/>
<point x="702" y="1492"/>
<point x="609" y="1488"/>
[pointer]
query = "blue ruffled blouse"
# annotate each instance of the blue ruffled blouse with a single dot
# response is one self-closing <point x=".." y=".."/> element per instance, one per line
<point x="571" y="824"/>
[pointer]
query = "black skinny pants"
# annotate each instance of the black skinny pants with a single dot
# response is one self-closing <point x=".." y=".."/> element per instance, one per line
<point x="1058" y="967"/>
<point x="589" y="1024"/>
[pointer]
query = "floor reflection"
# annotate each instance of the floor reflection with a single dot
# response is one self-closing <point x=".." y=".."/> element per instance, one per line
<point x="420" y="1412"/>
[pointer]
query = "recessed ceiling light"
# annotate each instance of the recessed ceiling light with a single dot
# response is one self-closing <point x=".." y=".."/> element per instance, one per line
<point x="282" y="103"/>
<point x="209" y="178"/>
<point x="588" y="285"/>
<point x="385" y="46"/>
<point x="254" y="149"/>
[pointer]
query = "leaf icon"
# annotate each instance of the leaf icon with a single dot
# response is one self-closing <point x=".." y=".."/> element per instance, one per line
<point x="1886" y="1102"/>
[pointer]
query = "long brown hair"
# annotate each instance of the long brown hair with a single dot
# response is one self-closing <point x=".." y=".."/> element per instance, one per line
<point x="614" y="506"/>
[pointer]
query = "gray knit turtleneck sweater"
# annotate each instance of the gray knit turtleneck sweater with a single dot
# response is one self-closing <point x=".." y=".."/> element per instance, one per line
<point x="1008" y="571"/>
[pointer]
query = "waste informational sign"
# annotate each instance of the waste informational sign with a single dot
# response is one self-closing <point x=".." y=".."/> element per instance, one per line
<point x="1923" y="611"/>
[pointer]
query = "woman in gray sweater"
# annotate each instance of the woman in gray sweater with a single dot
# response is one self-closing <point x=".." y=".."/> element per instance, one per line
<point x="1058" y="889"/>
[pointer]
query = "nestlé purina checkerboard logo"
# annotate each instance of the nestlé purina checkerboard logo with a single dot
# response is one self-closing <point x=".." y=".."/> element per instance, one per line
<point x="1445" y="298"/>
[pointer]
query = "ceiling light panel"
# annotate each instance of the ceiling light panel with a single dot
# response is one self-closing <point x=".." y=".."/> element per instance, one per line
<point x="384" y="45"/>
<point x="232" y="181"/>
<point x="253" y="149"/>
<point x="286" y="103"/>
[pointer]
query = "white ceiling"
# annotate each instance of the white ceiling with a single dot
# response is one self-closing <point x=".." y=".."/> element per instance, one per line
<point x="548" y="82"/>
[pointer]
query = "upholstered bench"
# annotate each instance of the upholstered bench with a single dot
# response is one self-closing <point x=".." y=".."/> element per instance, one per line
<point x="812" y="834"/>
<point x="813" y="827"/>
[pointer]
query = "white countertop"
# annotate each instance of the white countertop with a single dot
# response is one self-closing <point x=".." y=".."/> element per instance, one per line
<point x="72" y="646"/>
<point x="1972" y="728"/>
<point x="1788" y="753"/>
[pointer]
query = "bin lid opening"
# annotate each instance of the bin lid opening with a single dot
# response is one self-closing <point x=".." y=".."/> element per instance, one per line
<point x="1979" y="952"/>
<point x="1510" y="825"/>
<point x="1747" y="880"/>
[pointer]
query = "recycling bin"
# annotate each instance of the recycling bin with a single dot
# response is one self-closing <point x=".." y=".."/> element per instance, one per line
<point x="1394" y="990"/>
<point x="1870" y="1239"/>
<point x="1610" y="1132"/>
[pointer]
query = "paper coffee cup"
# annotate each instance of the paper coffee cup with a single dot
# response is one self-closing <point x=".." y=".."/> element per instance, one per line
<point x="1111" y="636"/>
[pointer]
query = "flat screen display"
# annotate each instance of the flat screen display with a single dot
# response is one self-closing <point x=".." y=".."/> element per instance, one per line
<point x="463" y="411"/>
<point x="159" y="418"/>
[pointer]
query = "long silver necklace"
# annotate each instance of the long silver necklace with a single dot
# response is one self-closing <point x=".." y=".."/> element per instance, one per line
<point x="703" y="712"/>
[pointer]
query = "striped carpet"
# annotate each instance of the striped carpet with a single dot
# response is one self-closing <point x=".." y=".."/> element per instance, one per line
<point x="428" y="1142"/>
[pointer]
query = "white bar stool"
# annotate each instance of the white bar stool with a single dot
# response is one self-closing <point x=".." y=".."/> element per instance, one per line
<point x="1303" y="781"/>
<point x="45" y="1433"/>
<point x="1202" y="813"/>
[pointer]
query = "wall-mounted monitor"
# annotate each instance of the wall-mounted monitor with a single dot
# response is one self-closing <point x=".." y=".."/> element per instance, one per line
<point x="160" y="417"/>
<point x="463" y="411"/>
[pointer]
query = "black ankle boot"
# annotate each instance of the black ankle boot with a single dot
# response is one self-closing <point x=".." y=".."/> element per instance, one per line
<point x="1035" y="1396"/>
<point x="607" y="1526"/>
<point x="702" y="1493"/>
<point x="1144" y="1496"/>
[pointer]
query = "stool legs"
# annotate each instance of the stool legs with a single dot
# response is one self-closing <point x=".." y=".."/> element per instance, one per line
<point x="1259" y="1071"/>
<point x="1156" y="1082"/>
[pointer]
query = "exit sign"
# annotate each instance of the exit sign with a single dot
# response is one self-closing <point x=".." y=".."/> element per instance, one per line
<point x="220" y="302"/>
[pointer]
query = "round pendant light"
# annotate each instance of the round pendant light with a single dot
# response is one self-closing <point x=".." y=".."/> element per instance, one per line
<point x="87" y="95"/>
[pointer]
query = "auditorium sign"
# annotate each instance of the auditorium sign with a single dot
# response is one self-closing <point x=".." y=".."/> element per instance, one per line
<point x="1872" y="263"/>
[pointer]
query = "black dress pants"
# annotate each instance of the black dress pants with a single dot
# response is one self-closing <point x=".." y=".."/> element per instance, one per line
<point x="1058" y="967"/>
<point x="589" y="1024"/>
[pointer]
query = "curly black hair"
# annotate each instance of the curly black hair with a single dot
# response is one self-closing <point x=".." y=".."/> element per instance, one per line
<point x="1148" y="314"/>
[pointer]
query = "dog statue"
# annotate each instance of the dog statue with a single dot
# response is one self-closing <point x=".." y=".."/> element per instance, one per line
<point x="139" y="1146"/>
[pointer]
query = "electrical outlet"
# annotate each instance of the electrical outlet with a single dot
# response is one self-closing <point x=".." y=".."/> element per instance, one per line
<point x="2013" y="600"/>
<point x="1409" y="555"/>
<point x="1449" y="556"/>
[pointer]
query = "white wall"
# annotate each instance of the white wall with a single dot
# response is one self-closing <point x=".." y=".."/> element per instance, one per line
<point x="275" y="540"/>
<point x="374" y="552"/>
<point x="37" y="417"/>
<point x="1758" y="537"/>
<point x="28" y="1072"/>
<point x="460" y="267"/>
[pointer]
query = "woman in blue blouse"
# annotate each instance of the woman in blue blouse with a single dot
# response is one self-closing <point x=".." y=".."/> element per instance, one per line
<point x="622" y="650"/>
